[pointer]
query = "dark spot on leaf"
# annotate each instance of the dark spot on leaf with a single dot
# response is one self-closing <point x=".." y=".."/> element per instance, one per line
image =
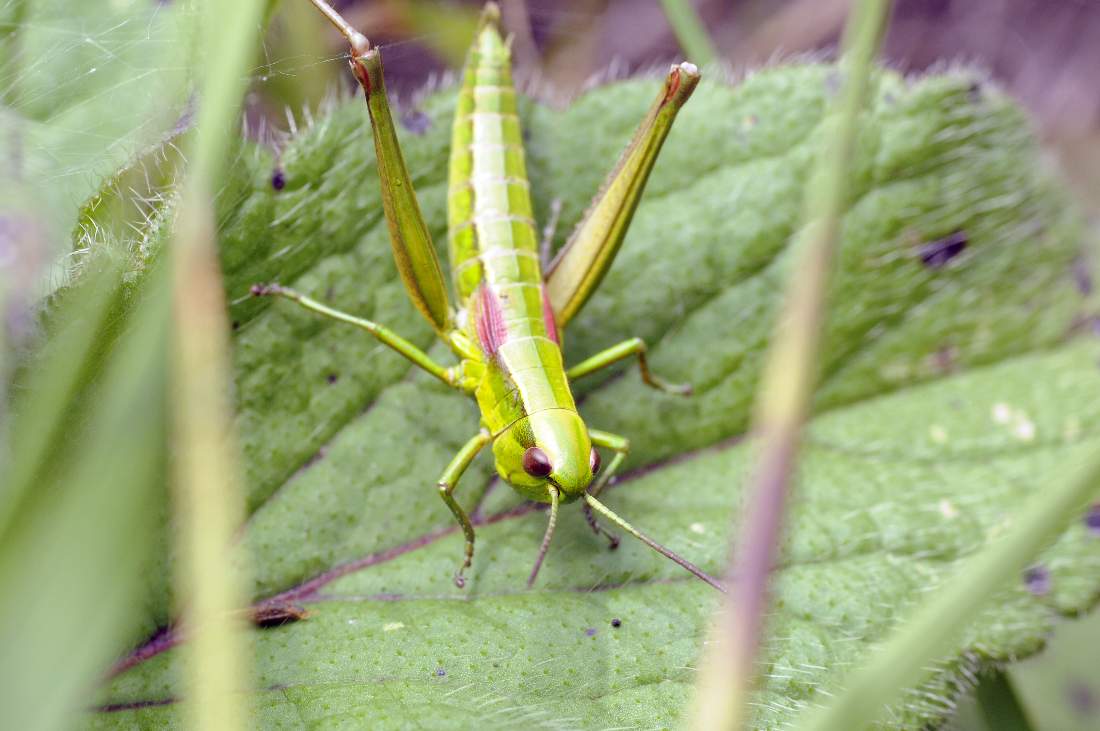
<point x="236" y="324"/>
<point x="1092" y="519"/>
<point x="332" y="378"/>
<point x="186" y="118"/>
<point x="936" y="254"/>
<point x="278" y="179"/>
<point x="416" y="121"/>
<point x="1037" y="580"/>
<point x="1082" y="277"/>
<point x="440" y="672"/>
<point x="945" y="358"/>
<point x="616" y="623"/>
<point x="590" y="632"/>
<point x="1081" y="699"/>
<point x="975" y="92"/>
<point x="276" y="615"/>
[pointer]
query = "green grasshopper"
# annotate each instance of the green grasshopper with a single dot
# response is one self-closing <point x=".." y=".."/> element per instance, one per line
<point x="506" y="332"/>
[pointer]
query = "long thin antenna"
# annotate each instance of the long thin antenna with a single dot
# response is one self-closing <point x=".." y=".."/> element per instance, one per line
<point x="546" y="538"/>
<point x="675" y="558"/>
<point x="358" y="41"/>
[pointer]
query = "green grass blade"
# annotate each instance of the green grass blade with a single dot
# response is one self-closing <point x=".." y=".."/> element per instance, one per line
<point x="783" y="401"/>
<point x="907" y="656"/>
<point x="999" y="705"/>
<point x="52" y="383"/>
<point x="690" y="32"/>
<point x="207" y="492"/>
<point x="72" y="559"/>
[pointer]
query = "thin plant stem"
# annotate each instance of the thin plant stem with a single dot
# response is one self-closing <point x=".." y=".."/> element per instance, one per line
<point x="207" y="493"/>
<point x="690" y="32"/>
<point x="726" y="675"/>
<point x="910" y="654"/>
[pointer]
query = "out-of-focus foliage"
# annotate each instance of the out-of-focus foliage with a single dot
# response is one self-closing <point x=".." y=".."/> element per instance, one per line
<point x="83" y="87"/>
<point x="83" y="374"/>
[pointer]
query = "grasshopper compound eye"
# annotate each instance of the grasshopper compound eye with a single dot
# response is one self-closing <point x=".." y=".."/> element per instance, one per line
<point x="594" y="461"/>
<point x="536" y="463"/>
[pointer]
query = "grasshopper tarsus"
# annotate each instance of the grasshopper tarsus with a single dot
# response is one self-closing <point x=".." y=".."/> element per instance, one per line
<point x="612" y="539"/>
<point x="675" y="389"/>
<point x="265" y="290"/>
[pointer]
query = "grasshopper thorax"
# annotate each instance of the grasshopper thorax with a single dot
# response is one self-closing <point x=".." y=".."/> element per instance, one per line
<point x="549" y="447"/>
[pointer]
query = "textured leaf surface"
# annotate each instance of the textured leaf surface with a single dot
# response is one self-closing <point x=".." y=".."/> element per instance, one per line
<point x="949" y="385"/>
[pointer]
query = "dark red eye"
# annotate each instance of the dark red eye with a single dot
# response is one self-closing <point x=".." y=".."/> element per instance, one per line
<point x="594" y="461"/>
<point x="536" y="463"/>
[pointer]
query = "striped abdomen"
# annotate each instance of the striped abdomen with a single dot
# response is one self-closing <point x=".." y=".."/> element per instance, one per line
<point x="494" y="246"/>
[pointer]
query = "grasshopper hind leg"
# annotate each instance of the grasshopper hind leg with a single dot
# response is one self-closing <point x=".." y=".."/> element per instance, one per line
<point x="636" y="348"/>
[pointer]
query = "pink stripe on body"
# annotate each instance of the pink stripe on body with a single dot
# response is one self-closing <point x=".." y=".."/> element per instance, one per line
<point x="548" y="317"/>
<point x="491" y="330"/>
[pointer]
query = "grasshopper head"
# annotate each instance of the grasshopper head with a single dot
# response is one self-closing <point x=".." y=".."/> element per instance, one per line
<point x="547" y="448"/>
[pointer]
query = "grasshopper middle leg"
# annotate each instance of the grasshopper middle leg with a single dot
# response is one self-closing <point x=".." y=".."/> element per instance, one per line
<point x="633" y="347"/>
<point x="384" y="334"/>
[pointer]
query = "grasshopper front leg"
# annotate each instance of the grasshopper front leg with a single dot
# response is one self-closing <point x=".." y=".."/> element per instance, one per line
<point x="447" y="483"/>
<point x="621" y="447"/>
<point x="627" y="348"/>
<point x="384" y="334"/>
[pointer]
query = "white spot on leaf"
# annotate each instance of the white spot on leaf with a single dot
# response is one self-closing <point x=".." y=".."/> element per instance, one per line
<point x="1023" y="428"/>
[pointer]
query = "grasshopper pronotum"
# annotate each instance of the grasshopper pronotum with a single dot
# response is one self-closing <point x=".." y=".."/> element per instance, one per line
<point x="506" y="328"/>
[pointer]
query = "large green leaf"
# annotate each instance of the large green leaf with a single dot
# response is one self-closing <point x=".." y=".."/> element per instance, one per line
<point x="950" y="383"/>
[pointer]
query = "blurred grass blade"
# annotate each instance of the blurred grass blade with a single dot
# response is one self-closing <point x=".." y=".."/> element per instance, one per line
<point x="208" y="500"/>
<point x="910" y="653"/>
<point x="690" y="32"/>
<point x="72" y="557"/>
<point x="783" y="401"/>
<point x="999" y="706"/>
<point x="445" y="27"/>
<point x="295" y="31"/>
<point x="46" y="395"/>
